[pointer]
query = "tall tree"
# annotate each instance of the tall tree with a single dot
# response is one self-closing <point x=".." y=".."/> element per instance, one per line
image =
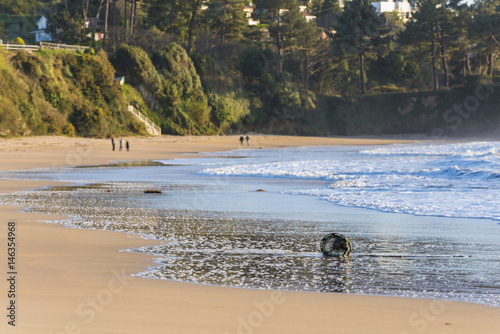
<point x="169" y="16"/>
<point x="85" y="11"/>
<point x="106" y="24"/>
<point x="125" y="20"/>
<point x="133" y="12"/>
<point x="66" y="26"/>
<point x="463" y="15"/>
<point x="94" y="24"/>
<point x="361" y="34"/>
<point x="330" y="7"/>
<point x="226" y="18"/>
<point x="275" y="13"/>
<point x="301" y="42"/>
<point x="485" y="29"/>
<point x="446" y="36"/>
<point x="423" y="30"/>
<point x="195" y="8"/>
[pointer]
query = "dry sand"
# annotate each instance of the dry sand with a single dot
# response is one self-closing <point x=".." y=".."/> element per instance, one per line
<point x="77" y="281"/>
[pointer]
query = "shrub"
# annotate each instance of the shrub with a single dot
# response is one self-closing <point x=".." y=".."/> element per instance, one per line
<point x="68" y="130"/>
<point x="136" y="65"/>
<point x="27" y="63"/>
<point x="228" y="108"/>
<point x="18" y="40"/>
<point x="11" y="123"/>
<point x="173" y="63"/>
<point x="474" y="80"/>
<point x="89" y="51"/>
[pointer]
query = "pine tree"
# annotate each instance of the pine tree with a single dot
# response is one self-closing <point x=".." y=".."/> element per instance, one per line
<point x="168" y="16"/>
<point x="485" y="29"/>
<point x="361" y="34"/>
<point x="226" y="18"/>
<point x="423" y="30"/>
<point x="194" y="7"/>
<point x="273" y="12"/>
<point x="463" y="15"/>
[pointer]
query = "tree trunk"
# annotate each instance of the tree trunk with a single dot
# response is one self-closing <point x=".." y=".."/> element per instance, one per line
<point x="85" y="9"/>
<point x="362" y="73"/>
<point x="84" y="12"/>
<point x="469" y="70"/>
<point x="434" y="72"/>
<point x="124" y="21"/>
<point x="307" y="71"/>
<point x="105" y="25"/>
<point x="94" y="26"/>
<point x="196" y="5"/>
<point x="278" y="42"/>
<point x="465" y="59"/>
<point x="172" y="10"/>
<point x="133" y="7"/>
<point x="222" y="31"/>
<point x="113" y="40"/>
<point x="491" y="60"/>
<point x="445" y="62"/>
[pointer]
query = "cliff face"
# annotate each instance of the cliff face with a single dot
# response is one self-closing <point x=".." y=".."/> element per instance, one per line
<point x="61" y="93"/>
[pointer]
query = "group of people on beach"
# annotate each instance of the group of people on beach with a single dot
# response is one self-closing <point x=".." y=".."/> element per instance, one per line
<point x="127" y="145"/>
<point x="242" y="139"/>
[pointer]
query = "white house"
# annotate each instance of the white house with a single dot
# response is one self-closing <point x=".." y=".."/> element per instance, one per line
<point x="248" y="14"/>
<point x="402" y="7"/>
<point x="309" y="17"/>
<point x="41" y="35"/>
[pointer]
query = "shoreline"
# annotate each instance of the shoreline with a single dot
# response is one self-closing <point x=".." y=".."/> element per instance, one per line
<point x="77" y="280"/>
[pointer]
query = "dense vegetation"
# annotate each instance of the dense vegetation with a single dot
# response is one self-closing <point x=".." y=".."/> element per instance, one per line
<point x="61" y="93"/>
<point x="198" y="67"/>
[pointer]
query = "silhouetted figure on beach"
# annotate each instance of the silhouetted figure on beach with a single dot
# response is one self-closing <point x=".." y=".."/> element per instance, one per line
<point x="113" y="143"/>
<point x="127" y="146"/>
<point x="248" y="140"/>
<point x="121" y="144"/>
<point x="241" y="140"/>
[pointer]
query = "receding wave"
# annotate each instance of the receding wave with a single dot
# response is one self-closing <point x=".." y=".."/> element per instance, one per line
<point x="455" y="180"/>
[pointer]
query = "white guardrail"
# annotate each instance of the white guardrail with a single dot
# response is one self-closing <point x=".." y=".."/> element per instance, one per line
<point x="43" y="45"/>
<point x="150" y="126"/>
<point x="16" y="47"/>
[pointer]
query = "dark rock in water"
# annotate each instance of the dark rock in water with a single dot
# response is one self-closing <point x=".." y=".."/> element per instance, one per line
<point x="153" y="191"/>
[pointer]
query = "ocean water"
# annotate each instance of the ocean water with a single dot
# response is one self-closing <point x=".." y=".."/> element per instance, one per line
<point x="424" y="219"/>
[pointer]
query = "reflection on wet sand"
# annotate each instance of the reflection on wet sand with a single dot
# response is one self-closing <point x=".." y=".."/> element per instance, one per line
<point x="226" y="249"/>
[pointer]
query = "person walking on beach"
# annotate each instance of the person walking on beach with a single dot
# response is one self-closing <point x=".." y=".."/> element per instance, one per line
<point x="248" y="140"/>
<point x="113" y="143"/>
<point x="121" y="144"/>
<point x="127" y="146"/>
<point x="241" y="140"/>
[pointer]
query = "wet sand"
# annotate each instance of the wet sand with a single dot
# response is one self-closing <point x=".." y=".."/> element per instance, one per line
<point x="78" y="281"/>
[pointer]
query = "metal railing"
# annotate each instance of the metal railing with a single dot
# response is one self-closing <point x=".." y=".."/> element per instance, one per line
<point x="150" y="126"/>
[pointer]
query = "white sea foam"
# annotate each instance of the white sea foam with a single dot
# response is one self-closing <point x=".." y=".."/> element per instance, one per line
<point x="219" y="230"/>
<point x="455" y="180"/>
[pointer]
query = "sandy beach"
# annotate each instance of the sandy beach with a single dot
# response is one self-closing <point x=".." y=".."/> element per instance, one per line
<point x="77" y="281"/>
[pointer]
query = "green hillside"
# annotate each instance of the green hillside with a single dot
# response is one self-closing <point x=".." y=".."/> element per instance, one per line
<point x="201" y="67"/>
<point x="61" y="93"/>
